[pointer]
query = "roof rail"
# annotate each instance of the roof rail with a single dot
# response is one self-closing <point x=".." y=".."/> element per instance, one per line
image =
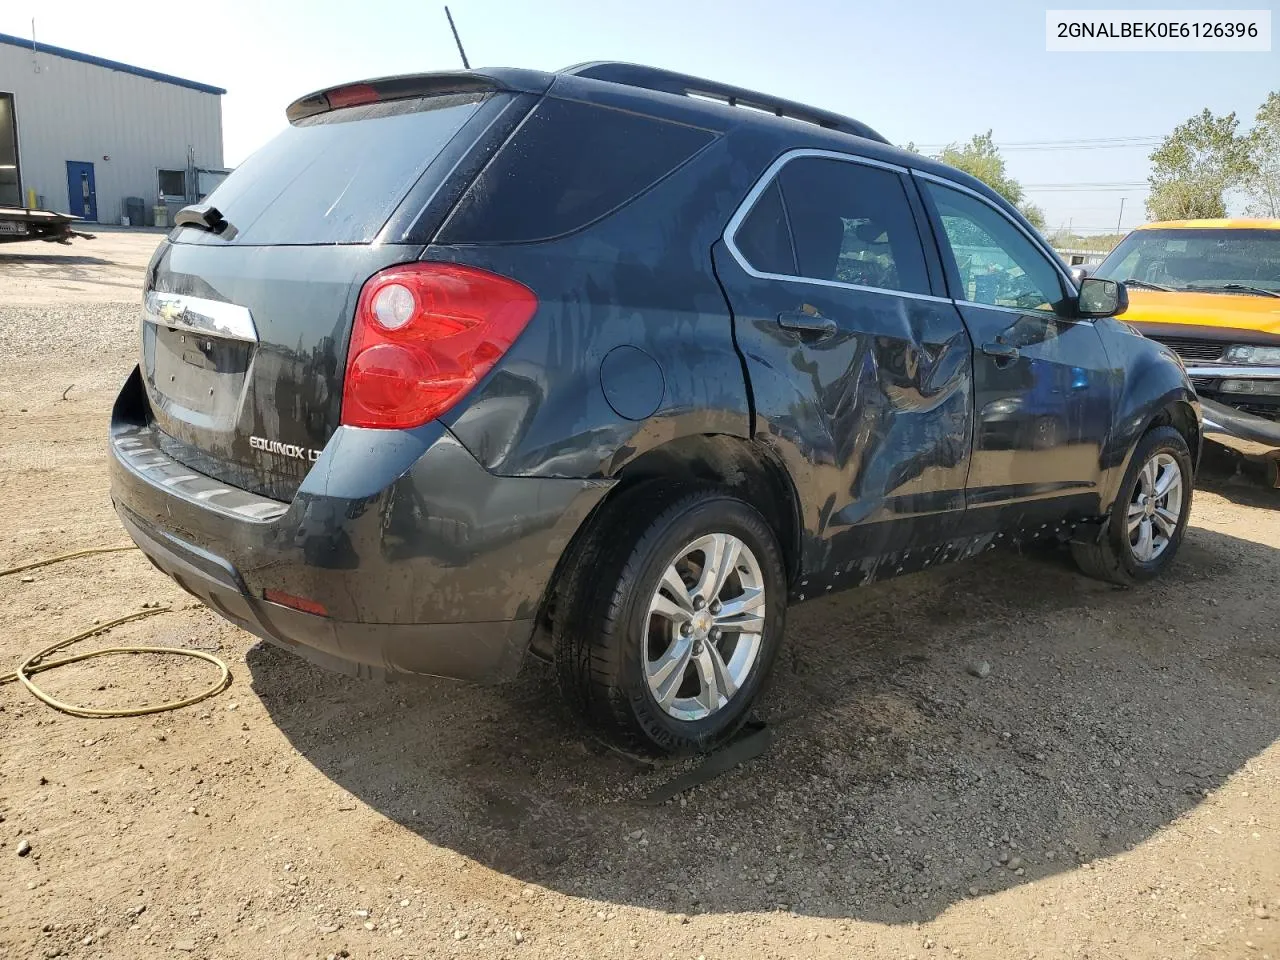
<point x="682" y="84"/>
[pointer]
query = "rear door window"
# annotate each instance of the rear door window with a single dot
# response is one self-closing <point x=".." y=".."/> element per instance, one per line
<point x="846" y="222"/>
<point x="335" y="177"/>
<point x="765" y="237"/>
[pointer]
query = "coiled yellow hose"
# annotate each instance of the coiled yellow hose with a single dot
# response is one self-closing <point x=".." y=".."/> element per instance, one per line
<point x="37" y="664"/>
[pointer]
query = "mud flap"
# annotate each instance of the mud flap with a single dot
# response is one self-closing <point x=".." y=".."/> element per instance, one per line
<point x="750" y="742"/>
<point x="1089" y="531"/>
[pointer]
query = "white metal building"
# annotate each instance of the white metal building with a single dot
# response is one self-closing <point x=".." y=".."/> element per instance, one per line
<point x="80" y="134"/>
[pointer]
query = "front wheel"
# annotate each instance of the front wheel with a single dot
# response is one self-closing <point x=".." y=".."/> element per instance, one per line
<point x="670" y="619"/>
<point x="1149" y="517"/>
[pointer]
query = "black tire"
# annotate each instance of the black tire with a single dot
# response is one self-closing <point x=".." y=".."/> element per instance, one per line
<point x="601" y="626"/>
<point x="1112" y="558"/>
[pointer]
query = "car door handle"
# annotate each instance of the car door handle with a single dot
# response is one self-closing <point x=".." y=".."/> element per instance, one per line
<point x="1001" y="351"/>
<point x="809" y="326"/>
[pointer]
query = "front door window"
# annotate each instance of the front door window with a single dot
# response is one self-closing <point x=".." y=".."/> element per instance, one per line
<point x="998" y="265"/>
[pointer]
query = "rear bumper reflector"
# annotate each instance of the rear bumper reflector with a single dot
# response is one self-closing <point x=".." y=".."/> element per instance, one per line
<point x="297" y="603"/>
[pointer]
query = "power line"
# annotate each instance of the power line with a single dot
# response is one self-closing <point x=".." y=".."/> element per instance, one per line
<point x="1088" y="189"/>
<point x="1090" y="184"/>
<point x="1136" y="145"/>
<point x="1049" y="143"/>
<point x="1093" y="143"/>
<point x="1102" y="228"/>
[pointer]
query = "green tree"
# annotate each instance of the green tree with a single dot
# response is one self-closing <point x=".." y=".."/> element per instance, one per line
<point x="1263" y="182"/>
<point x="1196" y="165"/>
<point x="980" y="158"/>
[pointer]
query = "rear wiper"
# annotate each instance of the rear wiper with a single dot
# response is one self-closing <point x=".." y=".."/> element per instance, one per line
<point x="1237" y="288"/>
<point x="1135" y="282"/>
<point x="204" y="216"/>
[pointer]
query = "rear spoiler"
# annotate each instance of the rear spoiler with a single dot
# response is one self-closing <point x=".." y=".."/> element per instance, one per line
<point x="411" y="86"/>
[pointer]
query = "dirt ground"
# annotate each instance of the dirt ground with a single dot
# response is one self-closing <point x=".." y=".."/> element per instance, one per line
<point x="1108" y="791"/>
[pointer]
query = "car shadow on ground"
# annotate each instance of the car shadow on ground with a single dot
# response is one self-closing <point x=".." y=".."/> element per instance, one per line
<point x="1238" y="478"/>
<point x="53" y="259"/>
<point x="897" y="781"/>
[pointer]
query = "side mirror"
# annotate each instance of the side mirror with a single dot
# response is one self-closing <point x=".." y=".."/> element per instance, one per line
<point x="1101" y="298"/>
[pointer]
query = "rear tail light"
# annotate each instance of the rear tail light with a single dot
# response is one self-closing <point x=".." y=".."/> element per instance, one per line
<point x="424" y="335"/>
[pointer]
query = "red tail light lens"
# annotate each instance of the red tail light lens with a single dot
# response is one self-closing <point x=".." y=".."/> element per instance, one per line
<point x="424" y="335"/>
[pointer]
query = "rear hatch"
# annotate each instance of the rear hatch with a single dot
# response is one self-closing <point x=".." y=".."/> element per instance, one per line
<point x="246" y="323"/>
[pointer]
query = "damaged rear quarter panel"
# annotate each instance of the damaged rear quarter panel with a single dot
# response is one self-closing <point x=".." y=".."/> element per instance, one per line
<point x="636" y="279"/>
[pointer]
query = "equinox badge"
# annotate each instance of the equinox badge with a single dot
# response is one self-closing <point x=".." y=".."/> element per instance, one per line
<point x="291" y="450"/>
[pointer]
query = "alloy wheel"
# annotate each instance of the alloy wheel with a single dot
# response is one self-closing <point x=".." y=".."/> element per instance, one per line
<point x="705" y="626"/>
<point x="1156" y="507"/>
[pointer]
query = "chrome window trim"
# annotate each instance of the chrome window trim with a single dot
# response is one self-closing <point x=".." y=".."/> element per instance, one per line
<point x="763" y="184"/>
<point x="1036" y="311"/>
<point x="1036" y="242"/>
<point x="197" y="315"/>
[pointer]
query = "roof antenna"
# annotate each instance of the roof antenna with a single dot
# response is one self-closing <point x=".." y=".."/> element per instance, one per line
<point x="457" y="40"/>
<point x="35" y="64"/>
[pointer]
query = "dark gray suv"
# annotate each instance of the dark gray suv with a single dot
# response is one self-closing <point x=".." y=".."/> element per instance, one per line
<point x="612" y="365"/>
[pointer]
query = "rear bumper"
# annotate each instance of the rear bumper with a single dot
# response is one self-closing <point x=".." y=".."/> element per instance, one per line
<point x="425" y="562"/>
<point x="485" y="652"/>
<point x="1245" y="432"/>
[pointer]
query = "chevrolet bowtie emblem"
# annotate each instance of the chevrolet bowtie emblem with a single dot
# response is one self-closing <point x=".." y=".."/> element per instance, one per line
<point x="172" y="311"/>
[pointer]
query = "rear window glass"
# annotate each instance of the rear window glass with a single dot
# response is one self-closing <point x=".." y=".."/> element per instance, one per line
<point x="567" y="166"/>
<point x="836" y="220"/>
<point x="764" y="237"/>
<point x="852" y="223"/>
<point x="335" y="177"/>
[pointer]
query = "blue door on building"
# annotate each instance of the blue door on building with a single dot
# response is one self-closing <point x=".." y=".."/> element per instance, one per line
<point x="82" y="195"/>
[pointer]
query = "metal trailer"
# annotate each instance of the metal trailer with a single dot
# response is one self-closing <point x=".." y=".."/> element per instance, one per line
<point x="17" y="223"/>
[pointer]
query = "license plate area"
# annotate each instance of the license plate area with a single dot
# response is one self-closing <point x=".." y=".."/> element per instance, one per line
<point x="13" y="228"/>
<point x="204" y="376"/>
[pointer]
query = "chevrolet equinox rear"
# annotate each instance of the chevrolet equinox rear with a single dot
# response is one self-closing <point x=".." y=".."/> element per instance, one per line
<point x="610" y="366"/>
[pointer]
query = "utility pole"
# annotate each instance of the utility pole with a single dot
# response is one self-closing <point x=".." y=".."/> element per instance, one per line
<point x="1121" y="217"/>
<point x="462" y="53"/>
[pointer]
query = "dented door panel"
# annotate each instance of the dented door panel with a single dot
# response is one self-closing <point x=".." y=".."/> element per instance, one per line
<point x="873" y="422"/>
<point x="1043" y="417"/>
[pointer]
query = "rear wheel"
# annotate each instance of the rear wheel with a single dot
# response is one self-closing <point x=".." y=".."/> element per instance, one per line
<point x="670" y="619"/>
<point x="1149" y="517"/>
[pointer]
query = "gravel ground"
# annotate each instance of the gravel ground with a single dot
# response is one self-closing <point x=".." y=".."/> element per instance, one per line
<point x="1107" y="789"/>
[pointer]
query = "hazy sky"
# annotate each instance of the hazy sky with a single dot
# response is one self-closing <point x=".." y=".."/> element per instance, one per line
<point x="929" y="71"/>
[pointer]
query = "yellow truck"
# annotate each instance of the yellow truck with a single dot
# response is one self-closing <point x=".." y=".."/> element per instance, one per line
<point x="1210" y="290"/>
